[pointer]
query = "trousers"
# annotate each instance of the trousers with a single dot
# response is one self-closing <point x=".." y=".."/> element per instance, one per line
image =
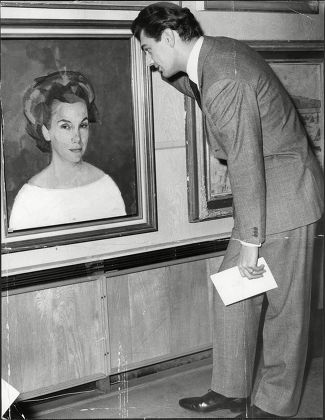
<point x="278" y="382"/>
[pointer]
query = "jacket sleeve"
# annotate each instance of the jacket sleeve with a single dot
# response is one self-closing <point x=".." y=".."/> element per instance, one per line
<point x="181" y="82"/>
<point x="233" y="112"/>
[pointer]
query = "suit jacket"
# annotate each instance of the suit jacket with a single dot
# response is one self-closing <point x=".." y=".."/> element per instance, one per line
<point x="250" y="121"/>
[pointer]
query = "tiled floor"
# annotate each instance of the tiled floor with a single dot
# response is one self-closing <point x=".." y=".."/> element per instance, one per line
<point x="158" y="398"/>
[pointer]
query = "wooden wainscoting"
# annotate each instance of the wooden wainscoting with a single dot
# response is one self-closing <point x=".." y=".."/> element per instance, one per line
<point x="61" y="336"/>
<point x="159" y="314"/>
<point x="54" y="338"/>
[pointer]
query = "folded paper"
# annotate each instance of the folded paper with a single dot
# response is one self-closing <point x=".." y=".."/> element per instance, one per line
<point x="232" y="287"/>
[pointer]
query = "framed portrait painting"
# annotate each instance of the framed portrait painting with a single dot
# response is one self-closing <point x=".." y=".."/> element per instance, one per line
<point x="119" y="144"/>
<point x="300" y="68"/>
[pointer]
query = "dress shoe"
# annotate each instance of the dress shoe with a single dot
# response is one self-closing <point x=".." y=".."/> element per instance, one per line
<point x="254" y="412"/>
<point x="213" y="401"/>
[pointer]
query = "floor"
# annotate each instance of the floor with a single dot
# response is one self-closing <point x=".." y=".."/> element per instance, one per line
<point x="158" y="397"/>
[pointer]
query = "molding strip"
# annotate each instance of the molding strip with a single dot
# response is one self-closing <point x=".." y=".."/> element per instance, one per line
<point x="126" y="262"/>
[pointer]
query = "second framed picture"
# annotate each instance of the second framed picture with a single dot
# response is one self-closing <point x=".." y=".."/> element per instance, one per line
<point x="300" y="68"/>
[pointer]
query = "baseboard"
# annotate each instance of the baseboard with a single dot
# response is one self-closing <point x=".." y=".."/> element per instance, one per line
<point x="138" y="377"/>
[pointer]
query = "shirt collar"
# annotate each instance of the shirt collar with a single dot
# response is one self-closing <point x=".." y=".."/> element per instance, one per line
<point x="192" y="63"/>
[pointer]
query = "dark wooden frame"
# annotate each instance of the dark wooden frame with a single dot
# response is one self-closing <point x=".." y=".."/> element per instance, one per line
<point x="90" y="4"/>
<point x="200" y="206"/>
<point x="264" y="6"/>
<point x="146" y="218"/>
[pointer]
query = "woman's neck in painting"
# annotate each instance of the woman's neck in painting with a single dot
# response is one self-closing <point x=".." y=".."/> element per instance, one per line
<point x="65" y="174"/>
<point x="60" y="174"/>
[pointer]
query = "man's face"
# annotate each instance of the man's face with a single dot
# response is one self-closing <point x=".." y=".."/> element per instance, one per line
<point x="160" y="54"/>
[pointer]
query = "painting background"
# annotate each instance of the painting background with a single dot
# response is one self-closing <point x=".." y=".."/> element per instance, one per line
<point x="107" y="64"/>
<point x="304" y="84"/>
<point x="303" y="81"/>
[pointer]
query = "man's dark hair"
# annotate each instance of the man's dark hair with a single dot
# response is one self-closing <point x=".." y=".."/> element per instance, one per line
<point x="154" y="19"/>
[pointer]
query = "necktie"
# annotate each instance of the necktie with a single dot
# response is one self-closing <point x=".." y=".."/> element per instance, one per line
<point x="196" y="92"/>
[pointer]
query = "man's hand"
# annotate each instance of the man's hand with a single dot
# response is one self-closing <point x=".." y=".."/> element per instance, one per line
<point x="248" y="262"/>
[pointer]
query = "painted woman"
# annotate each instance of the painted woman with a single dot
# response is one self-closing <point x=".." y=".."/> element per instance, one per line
<point x="59" y="109"/>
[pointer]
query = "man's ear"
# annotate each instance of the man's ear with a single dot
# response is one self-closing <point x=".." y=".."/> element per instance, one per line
<point x="46" y="133"/>
<point x="169" y="36"/>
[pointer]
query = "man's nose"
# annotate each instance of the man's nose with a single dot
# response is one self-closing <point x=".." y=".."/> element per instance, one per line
<point x="149" y="60"/>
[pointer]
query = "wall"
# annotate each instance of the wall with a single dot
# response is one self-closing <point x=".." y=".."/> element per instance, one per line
<point x="169" y="116"/>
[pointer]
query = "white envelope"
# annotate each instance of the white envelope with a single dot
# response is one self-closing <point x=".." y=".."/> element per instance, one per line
<point x="232" y="287"/>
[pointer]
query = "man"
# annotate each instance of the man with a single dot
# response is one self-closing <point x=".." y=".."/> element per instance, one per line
<point x="277" y="192"/>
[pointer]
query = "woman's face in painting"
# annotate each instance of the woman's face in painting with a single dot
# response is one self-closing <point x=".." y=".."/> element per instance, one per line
<point x="68" y="130"/>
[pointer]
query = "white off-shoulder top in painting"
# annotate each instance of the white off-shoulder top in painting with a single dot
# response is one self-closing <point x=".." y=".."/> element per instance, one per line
<point x="38" y="207"/>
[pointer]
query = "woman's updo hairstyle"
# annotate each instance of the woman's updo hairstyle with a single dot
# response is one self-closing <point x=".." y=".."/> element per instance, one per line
<point x="64" y="86"/>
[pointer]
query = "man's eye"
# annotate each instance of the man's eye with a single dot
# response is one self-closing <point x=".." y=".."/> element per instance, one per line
<point x="65" y="126"/>
<point x="84" y="125"/>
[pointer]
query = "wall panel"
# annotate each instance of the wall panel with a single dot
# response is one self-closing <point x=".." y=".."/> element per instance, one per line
<point x="159" y="314"/>
<point x="53" y="338"/>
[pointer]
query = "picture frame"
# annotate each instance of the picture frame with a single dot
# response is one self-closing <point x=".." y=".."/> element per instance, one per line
<point x="81" y="4"/>
<point x="106" y="53"/>
<point x="290" y="6"/>
<point x="300" y="67"/>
